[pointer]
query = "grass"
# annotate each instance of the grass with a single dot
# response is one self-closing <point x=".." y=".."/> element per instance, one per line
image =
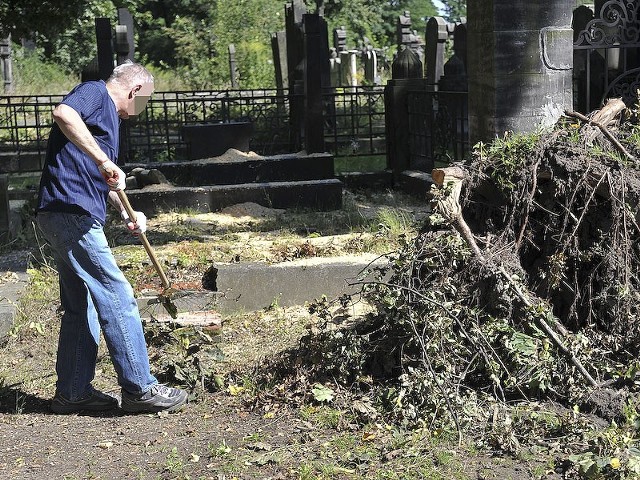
<point x="371" y="163"/>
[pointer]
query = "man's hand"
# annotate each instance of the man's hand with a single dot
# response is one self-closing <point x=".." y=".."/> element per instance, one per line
<point x="113" y="175"/>
<point x="137" y="227"/>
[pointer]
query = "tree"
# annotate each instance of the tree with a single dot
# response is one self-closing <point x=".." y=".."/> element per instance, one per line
<point x="455" y="9"/>
<point x="374" y="19"/>
<point x="24" y="18"/>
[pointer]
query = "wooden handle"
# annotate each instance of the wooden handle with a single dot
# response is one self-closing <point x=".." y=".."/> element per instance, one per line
<point x="147" y="246"/>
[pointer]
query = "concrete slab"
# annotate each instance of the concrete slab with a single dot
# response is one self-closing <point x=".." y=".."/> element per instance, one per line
<point x="251" y="286"/>
<point x="13" y="280"/>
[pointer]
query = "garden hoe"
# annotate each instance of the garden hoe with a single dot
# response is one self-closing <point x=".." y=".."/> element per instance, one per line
<point x="165" y="297"/>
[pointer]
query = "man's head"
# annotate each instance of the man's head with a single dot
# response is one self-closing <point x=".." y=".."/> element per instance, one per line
<point x="131" y="85"/>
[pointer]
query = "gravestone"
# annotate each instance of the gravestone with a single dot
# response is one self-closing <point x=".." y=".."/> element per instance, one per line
<point x="5" y="64"/>
<point x="316" y="76"/>
<point x="340" y="39"/>
<point x="105" y="47"/>
<point x="124" y="41"/>
<point x="454" y="78"/>
<point x="334" y="68"/>
<point x="207" y="140"/>
<point x="279" y="49"/>
<point x="371" y="75"/>
<point x="407" y="75"/>
<point x="295" y="70"/>
<point x="233" y="68"/>
<point x="436" y="37"/>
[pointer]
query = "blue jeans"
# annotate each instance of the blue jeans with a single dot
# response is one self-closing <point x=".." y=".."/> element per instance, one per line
<point x="94" y="294"/>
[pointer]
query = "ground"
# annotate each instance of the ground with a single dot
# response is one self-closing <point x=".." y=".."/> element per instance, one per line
<point x="224" y="432"/>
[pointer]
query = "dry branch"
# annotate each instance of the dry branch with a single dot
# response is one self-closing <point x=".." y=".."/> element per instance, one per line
<point x="601" y="121"/>
<point x="448" y="205"/>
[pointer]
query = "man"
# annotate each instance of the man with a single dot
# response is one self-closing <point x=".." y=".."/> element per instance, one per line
<point x="79" y="177"/>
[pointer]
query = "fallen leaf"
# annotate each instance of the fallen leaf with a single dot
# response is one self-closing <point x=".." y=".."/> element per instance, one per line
<point x="260" y="446"/>
<point x="368" y="436"/>
<point x="234" y="390"/>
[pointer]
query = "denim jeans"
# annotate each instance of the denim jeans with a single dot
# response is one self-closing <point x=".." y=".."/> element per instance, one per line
<point x="94" y="294"/>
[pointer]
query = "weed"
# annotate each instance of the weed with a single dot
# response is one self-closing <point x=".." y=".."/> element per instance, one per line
<point x="174" y="463"/>
<point x="220" y="450"/>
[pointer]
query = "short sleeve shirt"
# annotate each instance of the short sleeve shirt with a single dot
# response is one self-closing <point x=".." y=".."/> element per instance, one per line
<point x="71" y="181"/>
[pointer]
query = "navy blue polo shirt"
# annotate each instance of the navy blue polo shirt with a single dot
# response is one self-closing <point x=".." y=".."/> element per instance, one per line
<point x="71" y="181"/>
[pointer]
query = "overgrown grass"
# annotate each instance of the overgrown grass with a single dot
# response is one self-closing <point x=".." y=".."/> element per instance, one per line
<point x="33" y="75"/>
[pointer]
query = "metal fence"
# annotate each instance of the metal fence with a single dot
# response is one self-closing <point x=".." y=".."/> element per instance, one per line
<point x="438" y="126"/>
<point x="606" y="53"/>
<point x="25" y="122"/>
<point x="354" y="123"/>
<point x="157" y="133"/>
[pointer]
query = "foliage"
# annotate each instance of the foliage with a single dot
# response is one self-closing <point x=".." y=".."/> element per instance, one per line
<point x="190" y="38"/>
<point x="33" y="74"/>
<point x="456" y="340"/>
<point x="186" y="355"/>
<point x="375" y="20"/>
<point x="455" y="10"/>
<point x="23" y="18"/>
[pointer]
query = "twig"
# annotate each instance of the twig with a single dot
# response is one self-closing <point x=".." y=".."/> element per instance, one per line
<point x="604" y="130"/>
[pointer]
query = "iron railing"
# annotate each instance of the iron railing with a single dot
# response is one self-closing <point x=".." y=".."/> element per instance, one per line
<point x="438" y="128"/>
<point x="157" y="134"/>
<point x="354" y="121"/>
<point x="25" y="120"/>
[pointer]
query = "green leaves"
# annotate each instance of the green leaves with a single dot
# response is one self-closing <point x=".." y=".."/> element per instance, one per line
<point x="322" y="393"/>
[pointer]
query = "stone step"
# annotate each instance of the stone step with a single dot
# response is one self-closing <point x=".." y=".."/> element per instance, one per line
<point x="239" y="168"/>
<point x="313" y="194"/>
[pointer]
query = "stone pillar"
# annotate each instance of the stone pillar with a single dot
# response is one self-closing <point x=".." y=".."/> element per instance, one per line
<point x="519" y="65"/>
<point x="105" y="48"/>
<point x="5" y="64"/>
<point x="436" y="38"/>
<point x="233" y="67"/>
<point x="407" y="75"/>
<point x="125" y="44"/>
<point x="295" y="70"/>
<point x="315" y="64"/>
<point x="279" y="49"/>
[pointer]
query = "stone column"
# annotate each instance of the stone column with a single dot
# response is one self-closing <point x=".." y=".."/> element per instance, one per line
<point x="520" y="59"/>
<point x="316" y="50"/>
<point x="5" y="64"/>
<point x="105" y="47"/>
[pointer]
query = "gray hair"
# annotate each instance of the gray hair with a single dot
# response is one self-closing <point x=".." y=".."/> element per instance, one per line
<point x="129" y="74"/>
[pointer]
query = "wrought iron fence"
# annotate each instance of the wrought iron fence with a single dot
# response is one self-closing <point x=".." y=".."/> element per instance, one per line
<point x="354" y="123"/>
<point x="25" y="120"/>
<point x="438" y="126"/>
<point x="157" y="133"/>
<point x="606" y="51"/>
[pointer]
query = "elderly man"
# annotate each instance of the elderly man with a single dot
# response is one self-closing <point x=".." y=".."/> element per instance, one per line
<point x="79" y="177"/>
